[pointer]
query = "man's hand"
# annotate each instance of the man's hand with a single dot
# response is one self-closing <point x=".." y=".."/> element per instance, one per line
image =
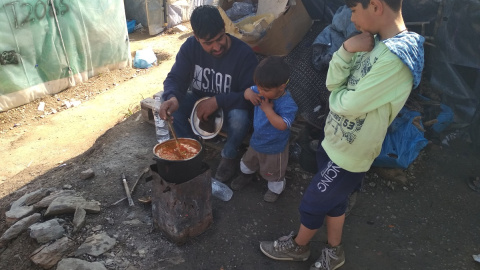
<point x="206" y="107"/>
<point x="362" y="42"/>
<point x="168" y="107"/>
<point x="253" y="97"/>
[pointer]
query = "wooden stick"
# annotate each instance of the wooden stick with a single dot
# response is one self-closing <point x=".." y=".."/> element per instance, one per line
<point x="133" y="188"/>
<point x="127" y="190"/>
<point x="140" y="177"/>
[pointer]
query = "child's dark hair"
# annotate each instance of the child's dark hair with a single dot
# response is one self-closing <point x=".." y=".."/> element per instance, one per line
<point x="206" y="22"/>
<point x="395" y="5"/>
<point x="271" y="72"/>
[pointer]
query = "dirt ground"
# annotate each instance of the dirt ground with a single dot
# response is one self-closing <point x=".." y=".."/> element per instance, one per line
<point x="431" y="222"/>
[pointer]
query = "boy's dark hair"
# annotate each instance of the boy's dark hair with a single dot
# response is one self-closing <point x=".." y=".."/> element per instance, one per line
<point x="271" y="72"/>
<point x="206" y="22"/>
<point x="395" y="5"/>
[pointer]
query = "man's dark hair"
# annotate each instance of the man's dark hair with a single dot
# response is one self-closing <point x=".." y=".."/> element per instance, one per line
<point x="395" y="5"/>
<point x="271" y="72"/>
<point x="206" y="22"/>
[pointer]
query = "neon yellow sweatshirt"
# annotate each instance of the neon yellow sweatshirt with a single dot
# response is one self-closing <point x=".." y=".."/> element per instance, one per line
<point x="368" y="89"/>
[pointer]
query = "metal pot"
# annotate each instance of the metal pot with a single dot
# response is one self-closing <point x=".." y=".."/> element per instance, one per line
<point x="179" y="171"/>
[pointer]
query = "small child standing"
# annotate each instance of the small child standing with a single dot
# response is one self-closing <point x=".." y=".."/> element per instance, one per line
<point x="274" y="114"/>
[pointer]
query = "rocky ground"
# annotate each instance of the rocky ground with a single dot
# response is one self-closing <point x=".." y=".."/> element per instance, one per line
<point x="430" y="221"/>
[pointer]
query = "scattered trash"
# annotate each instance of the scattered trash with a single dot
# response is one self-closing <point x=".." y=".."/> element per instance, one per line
<point x="138" y="26"/>
<point x="131" y="25"/>
<point x="476" y="257"/>
<point x="221" y="191"/>
<point x="41" y="106"/>
<point x="181" y="28"/>
<point x="240" y="10"/>
<point x="147" y="199"/>
<point x="178" y="29"/>
<point x="144" y="58"/>
<point x="451" y="137"/>
<point x="75" y="103"/>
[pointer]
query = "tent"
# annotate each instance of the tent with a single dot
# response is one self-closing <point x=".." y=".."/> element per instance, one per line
<point x="47" y="46"/>
<point x="158" y="15"/>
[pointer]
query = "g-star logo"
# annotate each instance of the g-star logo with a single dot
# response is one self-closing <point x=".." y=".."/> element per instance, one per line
<point x="209" y="81"/>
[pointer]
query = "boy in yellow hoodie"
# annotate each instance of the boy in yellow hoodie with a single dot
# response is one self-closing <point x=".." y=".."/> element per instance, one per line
<point x="370" y="78"/>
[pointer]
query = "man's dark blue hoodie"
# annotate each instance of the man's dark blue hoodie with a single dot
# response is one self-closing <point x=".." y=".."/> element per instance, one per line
<point x="225" y="77"/>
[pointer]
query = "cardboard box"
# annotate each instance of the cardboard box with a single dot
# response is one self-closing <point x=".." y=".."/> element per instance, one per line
<point x="290" y="24"/>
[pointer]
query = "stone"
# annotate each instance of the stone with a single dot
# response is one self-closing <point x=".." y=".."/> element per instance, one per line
<point x="97" y="228"/>
<point x="133" y="222"/>
<point x="68" y="205"/>
<point x="96" y="245"/>
<point x="15" y="214"/>
<point x="46" y="231"/>
<point x="38" y="195"/>
<point x="45" y="202"/>
<point x="22" y="207"/>
<point x="79" y="219"/>
<point x="19" y="227"/>
<point x="87" y="174"/>
<point x="77" y="264"/>
<point x="48" y="255"/>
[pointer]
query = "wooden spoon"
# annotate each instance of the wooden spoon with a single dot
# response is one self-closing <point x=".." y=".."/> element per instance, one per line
<point x="169" y="122"/>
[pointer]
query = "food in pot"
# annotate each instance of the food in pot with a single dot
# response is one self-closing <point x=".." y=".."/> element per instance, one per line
<point x="169" y="150"/>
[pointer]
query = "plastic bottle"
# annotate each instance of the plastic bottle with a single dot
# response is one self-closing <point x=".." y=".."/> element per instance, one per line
<point x="161" y="128"/>
<point x="221" y="191"/>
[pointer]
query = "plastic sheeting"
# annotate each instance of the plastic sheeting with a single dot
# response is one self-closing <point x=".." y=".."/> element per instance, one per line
<point x="44" y="51"/>
<point x="332" y="37"/>
<point x="403" y="142"/>
<point x="456" y="59"/>
<point x="453" y="66"/>
<point x="180" y="10"/>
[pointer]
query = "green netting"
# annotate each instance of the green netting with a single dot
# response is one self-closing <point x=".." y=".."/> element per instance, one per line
<point x="94" y="36"/>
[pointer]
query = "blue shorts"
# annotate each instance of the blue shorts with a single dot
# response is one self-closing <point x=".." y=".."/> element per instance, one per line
<point x="327" y="194"/>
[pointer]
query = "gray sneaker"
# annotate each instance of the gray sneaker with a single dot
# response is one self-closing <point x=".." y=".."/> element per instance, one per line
<point x="285" y="249"/>
<point x="270" y="196"/>
<point x="331" y="258"/>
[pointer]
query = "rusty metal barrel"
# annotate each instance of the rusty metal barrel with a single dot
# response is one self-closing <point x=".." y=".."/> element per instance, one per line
<point x="182" y="211"/>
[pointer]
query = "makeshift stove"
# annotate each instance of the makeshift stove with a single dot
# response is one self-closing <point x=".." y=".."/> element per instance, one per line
<point x="181" y="197"/>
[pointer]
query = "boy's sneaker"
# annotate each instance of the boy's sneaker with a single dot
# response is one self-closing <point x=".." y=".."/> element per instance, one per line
<point x="270" y="196"/>
<point x="285" y="249"/>
<point x="242" y="180"/>
<point x="331" y="258"/>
